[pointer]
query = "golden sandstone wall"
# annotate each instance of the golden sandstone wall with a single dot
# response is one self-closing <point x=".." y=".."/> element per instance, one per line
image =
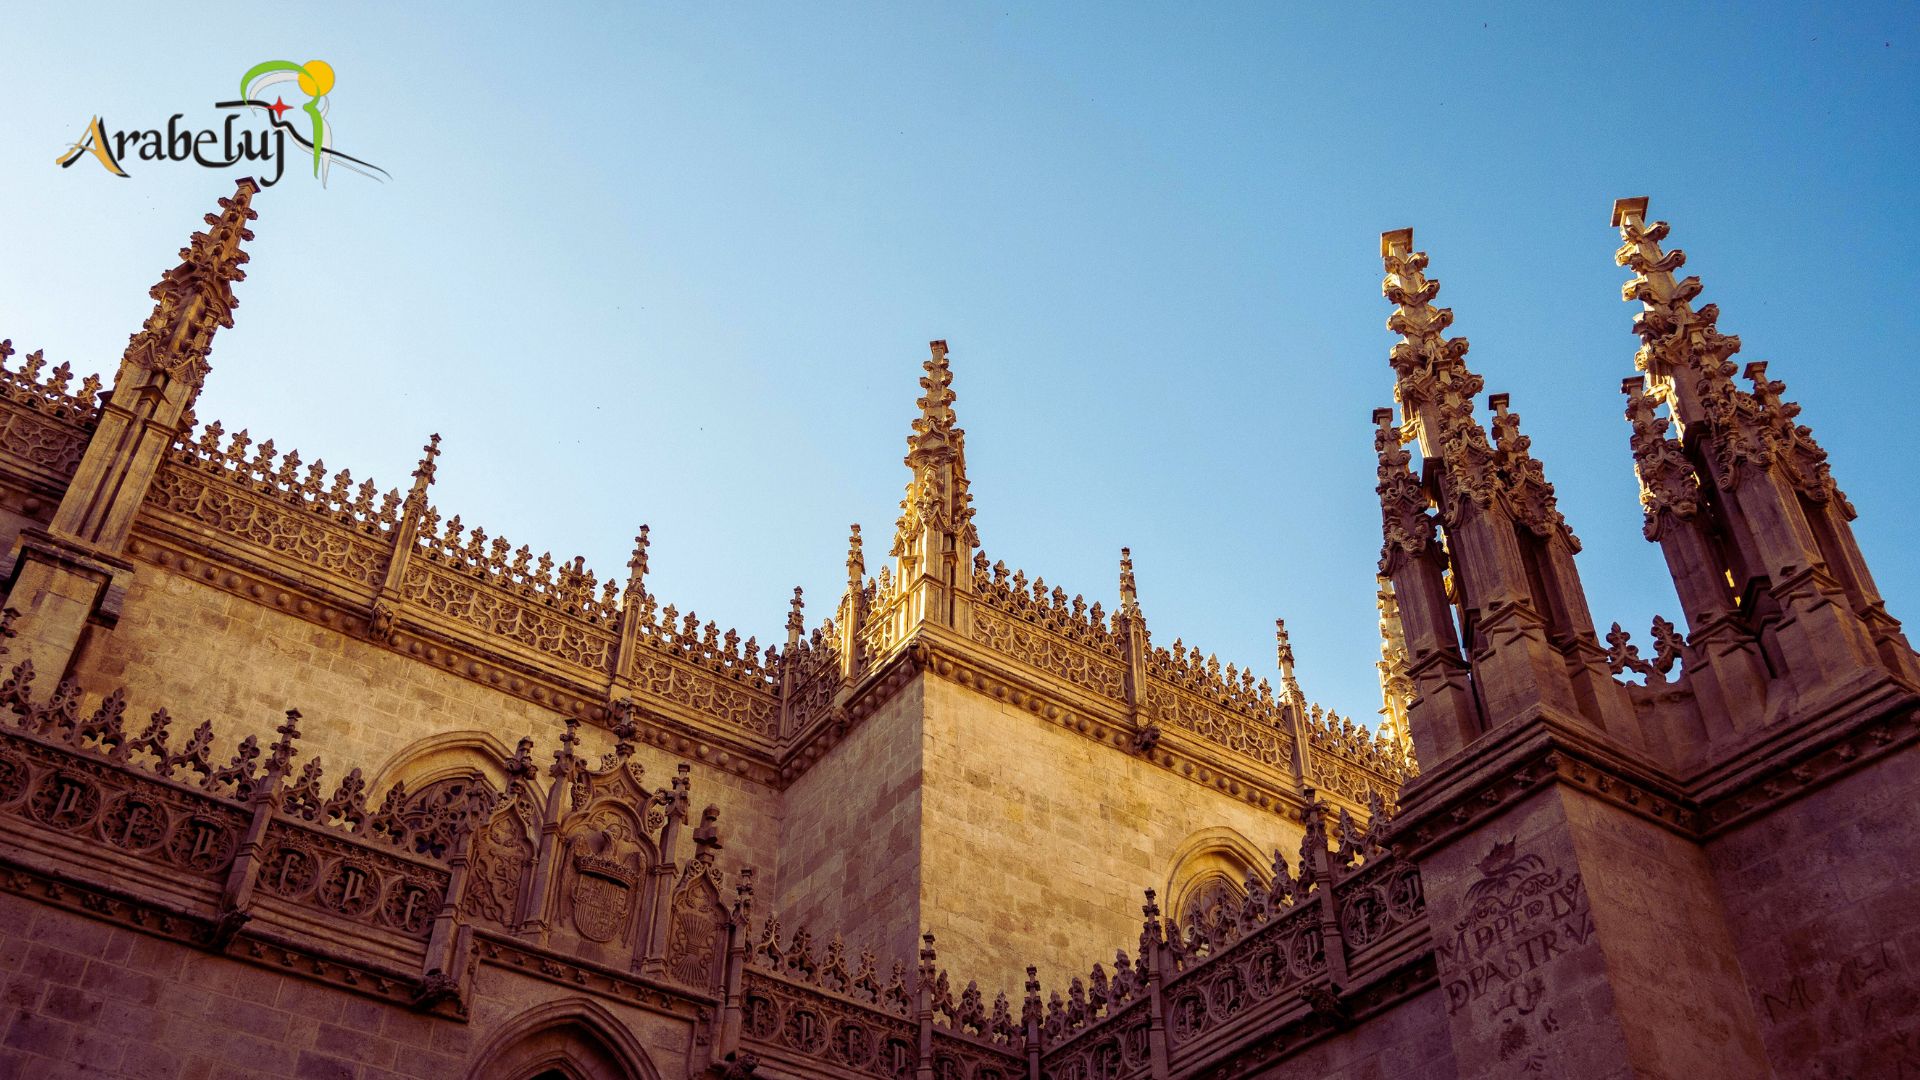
<point x="203" y="653"/>
<point x="850" y="838"/>
<point x="1037" y="843"/>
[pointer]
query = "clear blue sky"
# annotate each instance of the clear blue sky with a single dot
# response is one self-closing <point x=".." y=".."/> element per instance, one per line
<point x="679" y="264"/>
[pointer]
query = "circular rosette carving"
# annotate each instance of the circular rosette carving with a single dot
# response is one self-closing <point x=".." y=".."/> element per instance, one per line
<point x="851" y="1044"/>
<point x="289" y="872"/>
<point x="200" y="843"/>
<point x="134" y="823"/>
<point x="408" y="907"/>
<point x="349" y="888"/>
<point x="64" y="801"/>
<point x="14" y="779"/>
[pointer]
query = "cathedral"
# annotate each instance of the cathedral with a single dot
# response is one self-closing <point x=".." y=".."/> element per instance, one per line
<point x="301" y="776"/>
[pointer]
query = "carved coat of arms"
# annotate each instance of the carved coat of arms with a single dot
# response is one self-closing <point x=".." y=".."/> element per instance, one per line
<point x="603" y="884"/>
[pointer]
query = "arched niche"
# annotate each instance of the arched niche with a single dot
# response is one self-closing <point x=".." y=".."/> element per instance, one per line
<point x="574" y="1039"/>
<point x="1208" y="874"/>
<point x="444" y="756"/>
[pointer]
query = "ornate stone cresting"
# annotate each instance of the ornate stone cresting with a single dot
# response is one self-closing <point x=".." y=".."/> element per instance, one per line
<point x="1508" y="565"/>
<point x="1774" y="567"/>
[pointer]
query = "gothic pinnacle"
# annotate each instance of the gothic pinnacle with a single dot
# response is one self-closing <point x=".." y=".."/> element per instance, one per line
<point x="195" y="298"/>
<point x="637" y="564"/>
<point x="796" y="618"/>
<point x="1129" y="593"/>
<point x="1283" y="654"/>
<point x="933" y="428"/>
<point x="856" y="559"/>
<point x="423" y="473"/>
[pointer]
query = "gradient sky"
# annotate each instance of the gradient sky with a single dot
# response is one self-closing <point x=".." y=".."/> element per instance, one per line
<point x="680" y="264"/>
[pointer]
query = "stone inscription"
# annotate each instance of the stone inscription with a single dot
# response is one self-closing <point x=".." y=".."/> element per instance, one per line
<point x="1521" y="914"/>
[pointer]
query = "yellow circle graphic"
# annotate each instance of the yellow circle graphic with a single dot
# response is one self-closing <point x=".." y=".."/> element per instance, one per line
<point x="316" y="78"/>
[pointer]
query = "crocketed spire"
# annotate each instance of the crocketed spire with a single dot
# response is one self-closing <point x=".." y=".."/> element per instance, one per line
<point x="195" y="298"/>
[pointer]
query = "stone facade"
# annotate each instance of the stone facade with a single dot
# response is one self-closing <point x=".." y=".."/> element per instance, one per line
<point x="303" y="779"/>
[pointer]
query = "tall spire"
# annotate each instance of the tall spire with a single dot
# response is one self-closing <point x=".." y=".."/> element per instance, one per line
<point x="1433" y="385"/>
<point x="60" y="584"/>
<point x="1775" y="556"/>
<point x="937" y="497"/>
<point x="1523" y="616"/>
<point x="1129" y="592"/>
<point x="195" y="298"/>
<point x="934" y="539"/>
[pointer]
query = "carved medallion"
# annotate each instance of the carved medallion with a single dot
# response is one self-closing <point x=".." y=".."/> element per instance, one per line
<point x="64" y="801"/>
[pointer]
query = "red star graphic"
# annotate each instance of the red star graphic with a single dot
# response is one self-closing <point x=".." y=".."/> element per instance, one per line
<point x="278" y="107"/>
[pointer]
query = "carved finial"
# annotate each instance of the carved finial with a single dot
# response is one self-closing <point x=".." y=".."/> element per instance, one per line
<point x="937" y="497"/>
<point x="1432" y="383"/>
<point x="856" y="560"/>
<point x="1406" y="526"/>
<point x="423" y="472"/>
<point x="796" y="617"/>
<point x="1283" y="654"/>
<point x="625" y="726"/>
<point x="927" y="956"/>
<point x="637" y="565"/>
<point x="1529" y="497"/>
<point x="743" y="899"/>
<point x="1682" y="349"/>
<point x="1129" y="591"/>
<point x="195" y="298"/>
<point x="564" y="758"/>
